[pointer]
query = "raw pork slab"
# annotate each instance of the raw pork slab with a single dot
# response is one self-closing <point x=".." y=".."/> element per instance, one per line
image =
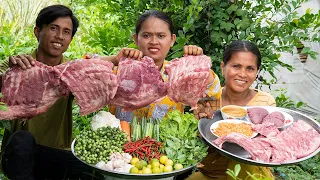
<point x="258" y="150"/>
<point x="188" y="79"/>
<point x="30" y="92"/>
<point x="140" y="84"/>
<point x="91" y="81"/>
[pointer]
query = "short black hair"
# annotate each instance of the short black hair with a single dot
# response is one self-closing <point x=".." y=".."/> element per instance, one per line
<point x="157" y="14"/>
<point x="51" y="13"/>
<point x="241" y="46"/>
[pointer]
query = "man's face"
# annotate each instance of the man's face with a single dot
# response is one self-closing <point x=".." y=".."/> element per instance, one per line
<point x="54" y="38"/>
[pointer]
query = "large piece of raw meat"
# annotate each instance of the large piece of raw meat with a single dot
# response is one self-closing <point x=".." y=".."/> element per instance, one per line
<point x="188" y="79"/>
<point x="140" y="84"/>
<point x="30" y="92"/>
<point x="91" y="81"/>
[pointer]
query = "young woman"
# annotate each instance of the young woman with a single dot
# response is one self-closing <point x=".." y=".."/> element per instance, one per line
<point x="154" y="37"/>
<point x="241" y="62"/>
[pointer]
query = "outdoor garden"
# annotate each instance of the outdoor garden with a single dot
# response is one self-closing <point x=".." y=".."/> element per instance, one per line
<point x="106" y="26"/>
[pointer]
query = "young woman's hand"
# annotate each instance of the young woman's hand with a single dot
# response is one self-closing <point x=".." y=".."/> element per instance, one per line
<point x="129" y="53"/>
<point x="124" y="52"/>
<point x="22" y="60"/>
<point x="192" y="50"/>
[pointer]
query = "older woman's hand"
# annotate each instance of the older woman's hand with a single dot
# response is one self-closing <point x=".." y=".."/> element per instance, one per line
<point x="204" y="110"/>
<point x="192" y="50"/>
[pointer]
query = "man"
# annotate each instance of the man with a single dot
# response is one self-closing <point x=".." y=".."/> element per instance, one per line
<point x="40" y="147"/>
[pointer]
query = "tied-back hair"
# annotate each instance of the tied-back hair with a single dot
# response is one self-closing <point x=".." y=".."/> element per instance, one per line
<point x="157" y="14"/>
<point x="241" y="46"/>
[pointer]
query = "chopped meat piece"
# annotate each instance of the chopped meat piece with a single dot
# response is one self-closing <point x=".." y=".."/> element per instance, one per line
<point x="188" y="79"/>
<point x="267" y="129"/>
<point x="140" y="84"/>
<point x="275" y="117"/>
<point x="256" y="114"/>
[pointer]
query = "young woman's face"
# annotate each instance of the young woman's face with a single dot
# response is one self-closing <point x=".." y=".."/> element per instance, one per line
<point x="154" y="39"/>
<point x="241" y="71"/>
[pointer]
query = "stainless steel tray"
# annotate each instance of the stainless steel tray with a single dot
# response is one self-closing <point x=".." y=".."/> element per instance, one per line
<point x="237" y="153"/>
<point x="114" y="175"/>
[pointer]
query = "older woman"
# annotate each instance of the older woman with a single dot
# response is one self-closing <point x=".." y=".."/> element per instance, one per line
<point x="241" y="62"/>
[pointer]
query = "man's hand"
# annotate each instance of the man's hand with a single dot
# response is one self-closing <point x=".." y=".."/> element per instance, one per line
<point x="22" y="60"/>
<point x="192" y="50"/>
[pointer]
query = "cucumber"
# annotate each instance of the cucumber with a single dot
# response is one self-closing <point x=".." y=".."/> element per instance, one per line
<point x="149" y="129"/>
<point x="137" y="132"/>
<point x="143" y="126"/>
<point x="133" y="127"/>
<point x="156" y="132"/>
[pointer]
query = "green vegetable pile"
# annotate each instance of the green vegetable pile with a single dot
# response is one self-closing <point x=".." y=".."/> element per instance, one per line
<point x="94" y="146"/>
<point x="179" y="132"/>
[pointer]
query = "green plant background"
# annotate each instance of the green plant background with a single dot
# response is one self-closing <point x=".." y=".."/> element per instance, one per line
<point x="106" y="26"/>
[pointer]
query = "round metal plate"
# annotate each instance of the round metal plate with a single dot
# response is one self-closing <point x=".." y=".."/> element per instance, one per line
<point x="237" y="153"/>
<point x="120" y="175"/>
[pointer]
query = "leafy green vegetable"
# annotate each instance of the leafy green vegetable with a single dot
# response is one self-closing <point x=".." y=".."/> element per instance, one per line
<point x="179" y="125"/>
<point x="181" y="144"/>
<point x="185" y="151"/>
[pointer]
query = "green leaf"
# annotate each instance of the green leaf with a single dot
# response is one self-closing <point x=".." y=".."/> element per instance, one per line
<point x="6" y="124"/>
<point x="231" y="173"/>
<point x="194" y="1"/>
<point x="240" y="12"/>
<point x="227" y="26"/>
<point x="299" y="104"/>
<point x="305" y="50"/>
<point x="232" y="8"/>
<point x="237" y="169"/>
<point x="308" y="11"/>
<point x="170" y="143"/>
<point x="244" y="24"/>
<point x="3" y="108"/>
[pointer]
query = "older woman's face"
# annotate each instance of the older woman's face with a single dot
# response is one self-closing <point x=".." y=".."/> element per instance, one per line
<point x="241" y="71"/>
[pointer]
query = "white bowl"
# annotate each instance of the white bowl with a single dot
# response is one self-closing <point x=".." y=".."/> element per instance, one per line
<point x="229" y="115"/>
<point x="216" y="124"/>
